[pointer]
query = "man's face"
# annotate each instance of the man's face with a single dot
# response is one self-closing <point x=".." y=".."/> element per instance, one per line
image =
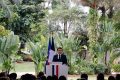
<point x="60" y="51"/>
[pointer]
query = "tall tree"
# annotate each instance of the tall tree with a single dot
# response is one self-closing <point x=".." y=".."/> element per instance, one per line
<point x="24" y="16"/>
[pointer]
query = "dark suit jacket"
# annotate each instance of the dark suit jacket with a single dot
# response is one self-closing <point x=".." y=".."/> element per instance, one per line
<point x="63" y="59"/>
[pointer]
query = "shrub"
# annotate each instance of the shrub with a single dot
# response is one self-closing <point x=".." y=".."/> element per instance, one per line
<point x="100" y="68"/>
<point x="87" y="70"/>
<point x="86" y="67"/>
<point x="116" y="67"/>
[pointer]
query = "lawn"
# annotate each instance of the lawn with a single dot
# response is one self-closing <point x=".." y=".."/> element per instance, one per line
<point x="24" y="67"/>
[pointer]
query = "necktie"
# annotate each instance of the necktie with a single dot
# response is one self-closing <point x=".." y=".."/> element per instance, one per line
<point x="59" y="56"/>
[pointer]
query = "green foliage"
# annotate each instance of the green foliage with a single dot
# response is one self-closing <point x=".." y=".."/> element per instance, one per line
<point x="89" y="67"/>
<point x="38" y="55"/>
<point x="116" y="67"/>
<point x="83" y="66"/>
<point x="92" y="29"/>
<point x="2" y="14"/>
<point x="100" y="68"/>
<point x="86" y="67"/>
<point x="24" y="15"/>
<point x="30" y="2"/>
<point x="6" y="10"/>
<point x="40" y="32"/>
<point x="103" y="38"/>
<point x="117" y="26"/>
<point x="57" y="4"/>
<point x="114" y="56"/>
<point x="3" y="32"/>
<point x="116" y="41"/>
<point x="8" y="48"/>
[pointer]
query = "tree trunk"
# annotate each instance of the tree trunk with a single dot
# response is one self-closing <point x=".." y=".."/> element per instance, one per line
<point x="65" y="28"/>
<point x="107" y="58"/>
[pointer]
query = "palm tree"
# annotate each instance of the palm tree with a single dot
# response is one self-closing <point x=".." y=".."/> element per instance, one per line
<point x="8" y="48"/>
<point x="38" y="55"/>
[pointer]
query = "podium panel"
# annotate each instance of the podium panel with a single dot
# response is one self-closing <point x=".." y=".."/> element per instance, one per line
<point x="56" y="68"/>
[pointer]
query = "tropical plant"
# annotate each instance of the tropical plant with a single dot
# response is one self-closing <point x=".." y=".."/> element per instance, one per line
<point x="21" y="17"/>
<point x="71" y="48"/>
<point x="100" y="68"/>
<point x="8" y="48"/>
<point x="116" y="67"/>
<point x="84" y="66"/>
<point x="38" y="52"/>
<point x="3" y="31"/>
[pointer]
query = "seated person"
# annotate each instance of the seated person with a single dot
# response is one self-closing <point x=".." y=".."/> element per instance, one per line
<point x="100" y="76"/>
<point x="4" y="78"/>
<point x="13" y="76"/>
<point x="111" y="78"/>
<point x="84" y="76"/>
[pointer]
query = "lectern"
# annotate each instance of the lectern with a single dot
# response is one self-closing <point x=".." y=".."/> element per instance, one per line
<point x="57" y="68"/>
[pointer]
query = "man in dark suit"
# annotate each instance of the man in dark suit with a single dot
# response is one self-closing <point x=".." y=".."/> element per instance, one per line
<point x="60" y="57"/>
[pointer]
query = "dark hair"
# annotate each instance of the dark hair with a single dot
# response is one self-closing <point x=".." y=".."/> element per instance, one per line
<point x="43" y="78"/>
<point x="100" y="76"/>
<point x="82" y="79"/>
<point x="40" y="74"/>
<point x="62" y="78"/>
<point x="54" y="77"/>
<point x="13" y="76"/>
<point x="3" y="74"/>
<point x="28" y="77"/>
<point x="4" y="78"/>
<point x="111" y="78"/>
<point x="85" y="76"/>
<point x="118" y="77"/>
<point x="59" y="48"/>
<point x="49" y="78"/>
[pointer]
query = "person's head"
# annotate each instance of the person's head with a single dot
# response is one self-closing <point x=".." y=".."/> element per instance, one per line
<point x="100" y="76"/>
<point x="28" y="77"/>
<point x="49" y="78"/>
<point x="59" y="50"/>
<point x="40" y="74"/>
<point x="118" y="77"/>
<point x="3" y="74"/>
<point x="62" y="78"/>
<point x="82" y="79"/>
<point x="111" y="78"/>
<point x="43" y="78"/>
<point x="4" y="78"/>
<point x="13" y="76"/>
<point x="85" y="76"/>
<point x="54" y="77"/>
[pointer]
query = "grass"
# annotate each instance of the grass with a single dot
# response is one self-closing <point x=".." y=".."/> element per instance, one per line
<point x="24" y="67"/>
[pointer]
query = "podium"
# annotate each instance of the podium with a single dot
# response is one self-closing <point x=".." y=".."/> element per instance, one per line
<point x="57" y="68"/>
